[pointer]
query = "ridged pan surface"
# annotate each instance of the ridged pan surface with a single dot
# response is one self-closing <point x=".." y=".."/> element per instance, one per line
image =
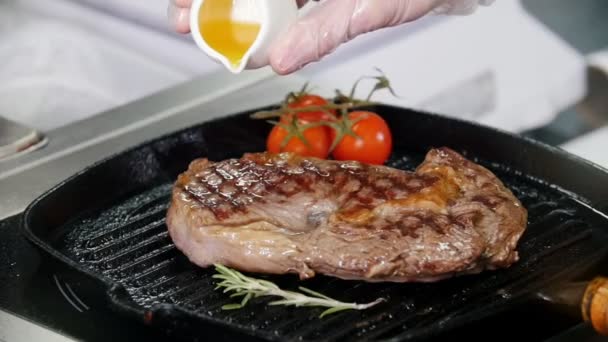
<point x="109" y="222"/>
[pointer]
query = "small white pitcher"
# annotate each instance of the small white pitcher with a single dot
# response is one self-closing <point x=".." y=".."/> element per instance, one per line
<point x="273" y="16"/>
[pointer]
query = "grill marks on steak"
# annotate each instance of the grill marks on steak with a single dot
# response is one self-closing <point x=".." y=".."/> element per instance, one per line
<point x="287" y="214"/>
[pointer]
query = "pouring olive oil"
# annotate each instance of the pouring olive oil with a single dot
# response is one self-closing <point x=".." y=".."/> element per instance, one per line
<point x="228" y="37"/>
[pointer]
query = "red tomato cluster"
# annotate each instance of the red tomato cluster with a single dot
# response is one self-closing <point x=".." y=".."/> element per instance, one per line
<point x="369" y="138"/>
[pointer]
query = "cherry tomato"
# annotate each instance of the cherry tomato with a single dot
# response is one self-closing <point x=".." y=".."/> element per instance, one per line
<point x="309" y="100"/>
<point x="373" y="144"/>
<point x="318" y="139"/>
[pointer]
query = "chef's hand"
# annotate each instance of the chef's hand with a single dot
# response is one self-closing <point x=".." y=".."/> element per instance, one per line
<point x="334" y="22"/>
<point x="179" y="15"/>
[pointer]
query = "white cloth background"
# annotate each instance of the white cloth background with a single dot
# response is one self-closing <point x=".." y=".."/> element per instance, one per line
<point x="56" y="69"/>
<point x="69" y="59"/>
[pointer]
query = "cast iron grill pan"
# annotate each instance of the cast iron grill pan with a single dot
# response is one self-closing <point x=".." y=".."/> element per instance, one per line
<point x="107" y="224"/>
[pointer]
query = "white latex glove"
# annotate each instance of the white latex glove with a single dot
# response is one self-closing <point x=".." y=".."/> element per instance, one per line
<point x="334" y="22"/>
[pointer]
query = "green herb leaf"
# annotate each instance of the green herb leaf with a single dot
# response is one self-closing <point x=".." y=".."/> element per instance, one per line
<point x="246" y="299"/>
<point x="242" y="285"/>
<point x="314" y="293"/>
<point x="232" y="306"/>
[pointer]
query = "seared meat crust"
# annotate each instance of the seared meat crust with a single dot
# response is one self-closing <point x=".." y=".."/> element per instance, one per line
<point x="287" y="214"/>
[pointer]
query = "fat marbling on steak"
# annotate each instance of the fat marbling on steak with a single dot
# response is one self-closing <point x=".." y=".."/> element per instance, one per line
<point x="281" y="213"/>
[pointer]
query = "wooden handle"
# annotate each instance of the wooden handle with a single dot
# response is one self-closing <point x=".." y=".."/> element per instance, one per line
<point x="595" y="304"/>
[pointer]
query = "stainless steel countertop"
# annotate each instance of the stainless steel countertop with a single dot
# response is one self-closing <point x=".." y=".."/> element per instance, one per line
<point x="17" y="329"/>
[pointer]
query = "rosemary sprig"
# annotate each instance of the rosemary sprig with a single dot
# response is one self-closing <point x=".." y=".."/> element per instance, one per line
<point x="247" y="287"/>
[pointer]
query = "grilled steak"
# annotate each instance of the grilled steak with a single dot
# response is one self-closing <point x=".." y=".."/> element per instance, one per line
<point x="287" y="214"/>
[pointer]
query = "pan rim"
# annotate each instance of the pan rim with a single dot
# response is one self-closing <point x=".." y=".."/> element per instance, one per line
<point x="113" y="287"/>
